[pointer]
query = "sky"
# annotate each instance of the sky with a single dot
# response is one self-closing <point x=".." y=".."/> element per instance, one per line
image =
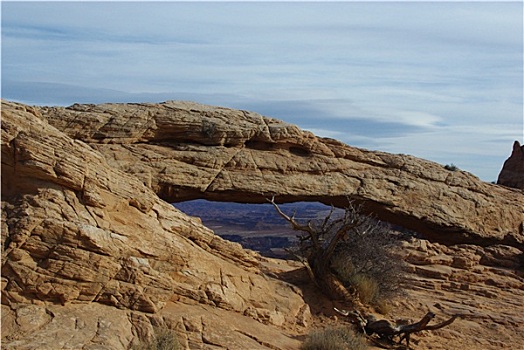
<point x="441" y="81"/>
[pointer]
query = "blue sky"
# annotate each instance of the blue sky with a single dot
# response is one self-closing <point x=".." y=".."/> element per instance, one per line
<point x="439" y="80"/>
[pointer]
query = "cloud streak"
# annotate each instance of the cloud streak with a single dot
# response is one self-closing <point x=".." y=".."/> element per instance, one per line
<point x="398" y="77"/>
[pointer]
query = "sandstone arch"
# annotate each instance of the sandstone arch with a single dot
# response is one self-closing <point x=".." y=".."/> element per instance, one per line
<point x="84" y="232"/>
<point x="246" y="157"/>
<point x="91" y="251"/>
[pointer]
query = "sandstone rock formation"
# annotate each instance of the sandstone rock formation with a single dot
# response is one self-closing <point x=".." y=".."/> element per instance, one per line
<point x="94" y="256"/>
<point x="512" y="173"/>
<point x="483" y="285"/>
<point x="87" y="247"/>
<point x="184" y="151"/>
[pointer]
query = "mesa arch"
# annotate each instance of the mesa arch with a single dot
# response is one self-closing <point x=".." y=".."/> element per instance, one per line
<point x="185" y="150"/>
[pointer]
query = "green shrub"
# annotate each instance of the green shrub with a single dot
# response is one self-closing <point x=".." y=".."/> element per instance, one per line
<point x="164" y="339"/>
<point x="451" y="167"/>
<point x="208" y="128"/>
<point x="339" y="338"/>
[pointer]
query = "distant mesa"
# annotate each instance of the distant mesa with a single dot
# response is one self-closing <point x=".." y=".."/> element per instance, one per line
<point x="512" y="173"/>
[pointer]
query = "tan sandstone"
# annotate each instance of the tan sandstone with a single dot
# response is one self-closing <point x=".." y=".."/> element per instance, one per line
<point x="76" y="230"/>
<point x="184" y="150"/>
<point x="94" y="256"/>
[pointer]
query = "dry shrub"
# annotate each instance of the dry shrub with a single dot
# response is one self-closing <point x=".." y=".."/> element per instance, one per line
<point x="339" y="338"/>
<point x="383" y="306"/>
<point x="164" y="339"/>
<point x="366" y="262"/>
<point x="367" y="288"/>
<point x="358" y="249"/>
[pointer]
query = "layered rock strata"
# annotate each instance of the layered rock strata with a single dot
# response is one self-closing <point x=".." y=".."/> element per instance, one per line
<point x="87" y="247"/>
<point x="484" y="285"/>
<point x="184" y="151"/>
<point x="94" y="256"/>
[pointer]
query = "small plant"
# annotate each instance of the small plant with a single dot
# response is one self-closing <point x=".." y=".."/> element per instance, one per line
<point x="367" y="288"/>
<point x="164" y="339"/>
<point x="346" y="245"/>
<point x="383" y="306"/>
<point x="208" y="128"/>
<point x="339" y="338"/>
<point x="451" y="167"/>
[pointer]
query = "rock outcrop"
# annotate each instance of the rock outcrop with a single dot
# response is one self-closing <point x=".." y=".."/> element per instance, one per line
<point x="483" y="285"/>
<point x="184" y="151"/>
<point x="87" y="247"/>
<point x="512" y="173"/>
<point x="95" y="257"/>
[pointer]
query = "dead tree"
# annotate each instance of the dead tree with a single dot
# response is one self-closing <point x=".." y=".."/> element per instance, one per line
<point x="405" y="330"/>
<point x="317" y="245"/>
<point x="322" y="242"/>
<point x="386" y="330"/>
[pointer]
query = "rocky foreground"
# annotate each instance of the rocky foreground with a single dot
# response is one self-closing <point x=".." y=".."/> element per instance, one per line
<point x="94" y="255"/>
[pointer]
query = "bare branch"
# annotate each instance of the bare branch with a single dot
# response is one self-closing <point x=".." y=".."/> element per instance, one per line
<point x="336" y="239"/>
<point x="418" y="326"/>
<point x="385" y="330"/>
<point x="443" y="324"/>
<point x="327" y="218"/>
<point x="306" y="265"/>
<point x="295" y="225"/>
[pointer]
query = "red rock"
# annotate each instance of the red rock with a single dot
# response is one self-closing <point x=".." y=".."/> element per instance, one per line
<point x="512" y="173"/>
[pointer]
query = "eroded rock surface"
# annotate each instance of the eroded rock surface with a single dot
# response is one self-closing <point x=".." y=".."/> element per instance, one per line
<point x="484" y="285"/>
<point x="185" y="150"/>
<point x="512" y="173"/>
<point x="93" y="256"/>
<point x="81" y="238"/>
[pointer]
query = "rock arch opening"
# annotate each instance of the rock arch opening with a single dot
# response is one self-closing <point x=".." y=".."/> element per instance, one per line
<point x="255" y="226"/>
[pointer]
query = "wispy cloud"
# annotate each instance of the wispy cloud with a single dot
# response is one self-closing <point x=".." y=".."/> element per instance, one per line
<point x="424" y="78"/>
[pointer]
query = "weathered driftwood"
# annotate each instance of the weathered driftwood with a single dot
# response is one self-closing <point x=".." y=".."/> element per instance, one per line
<point x="386" y="330"/>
